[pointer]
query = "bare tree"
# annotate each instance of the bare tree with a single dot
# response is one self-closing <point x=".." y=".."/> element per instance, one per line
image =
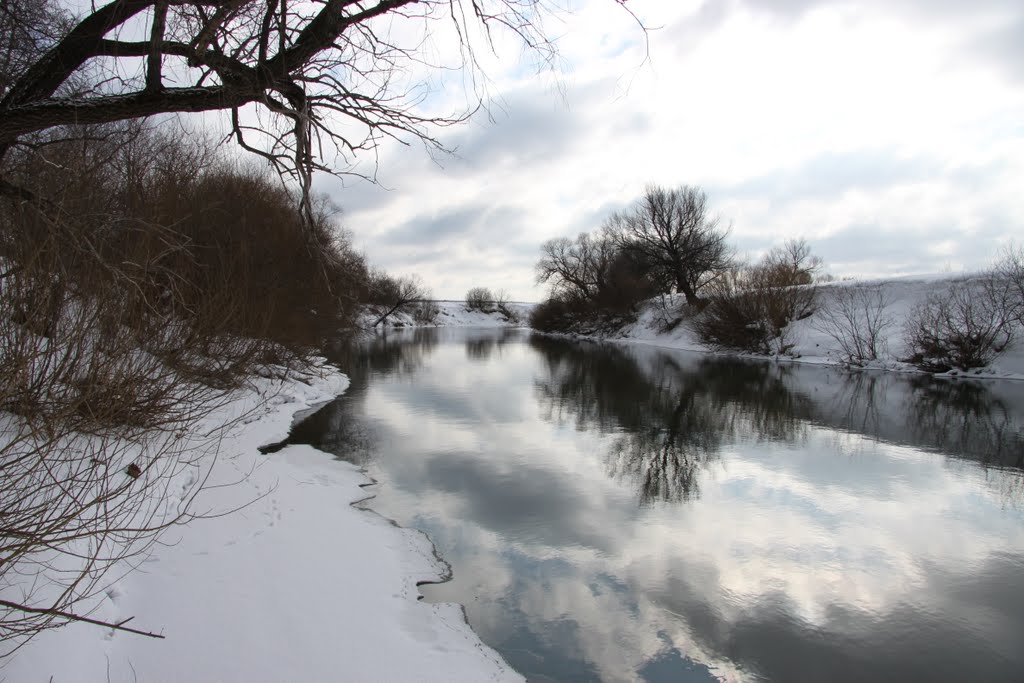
<point x="963" y="327"/>
<point x="577" y="269"/>
<point x="1010" y="268"/>
<point x="477" y="298"/>
<point x="302" y="81"/>
<point x="502" y="301"/>
<point x="393" y="294"/>
<point x="793" y="264"/>
<point x="671" y="230"/>
<point x="27" y="28"/>
<point x="751" y="307"/>
<point x="856" y="318"/>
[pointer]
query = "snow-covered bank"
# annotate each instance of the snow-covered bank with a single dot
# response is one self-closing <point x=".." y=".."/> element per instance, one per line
<point x="812" y="345"/>
<point x="296" y="585"/>
<point x="455" y="314"/>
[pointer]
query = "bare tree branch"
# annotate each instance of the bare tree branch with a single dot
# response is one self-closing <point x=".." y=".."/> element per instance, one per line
<point x="119" y="626"/>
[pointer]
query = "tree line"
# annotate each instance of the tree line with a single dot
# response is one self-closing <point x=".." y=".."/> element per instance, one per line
<point x="668" y="243"/>
<point x="667" y="247"/>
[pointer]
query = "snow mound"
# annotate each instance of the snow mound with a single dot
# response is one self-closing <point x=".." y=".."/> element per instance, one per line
<point x="283" y="581"/>
<point x="812" y="345"/>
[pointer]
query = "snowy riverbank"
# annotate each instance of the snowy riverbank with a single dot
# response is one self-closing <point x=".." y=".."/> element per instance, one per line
<point x="811" y="345"/>
<point x="284" y="581"/>
<point x="455" y="314"/>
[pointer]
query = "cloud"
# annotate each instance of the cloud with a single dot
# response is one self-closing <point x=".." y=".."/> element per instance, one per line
<point x="817" y="118"/>
<point x="1003" y="47"/>
<point x="522" y="128"/>
<point x="538" y="506"/>
<point x="831" y="174"/>
<point x="477" y="224"/>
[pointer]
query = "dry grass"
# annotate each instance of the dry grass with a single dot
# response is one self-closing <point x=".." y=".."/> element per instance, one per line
<point x="141" y="285"/>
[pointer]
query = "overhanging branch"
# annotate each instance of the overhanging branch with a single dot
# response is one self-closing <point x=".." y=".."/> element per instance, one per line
<point x="50" y="113"/>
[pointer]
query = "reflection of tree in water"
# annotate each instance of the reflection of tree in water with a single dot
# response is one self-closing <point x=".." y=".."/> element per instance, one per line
<point x="480" y="347"/>
<point x="397" y="353"/>
<point x="341" y="427"/>
<point x="965" y="419"/>
<point x="663" y="457"/>
<point x="758" y="398"/>
<point x="670" y="421"/>
<point x="595" y="385"/>
<point x="859" y="404"/>
<point x="962" y="419"/>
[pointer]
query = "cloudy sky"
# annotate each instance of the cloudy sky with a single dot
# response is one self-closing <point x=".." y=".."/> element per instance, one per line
<point x="890" y="134"/>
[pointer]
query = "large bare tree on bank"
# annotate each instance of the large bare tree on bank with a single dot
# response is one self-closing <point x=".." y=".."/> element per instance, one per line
<point x="326" y="76"/>
<point x="672" y="231"/>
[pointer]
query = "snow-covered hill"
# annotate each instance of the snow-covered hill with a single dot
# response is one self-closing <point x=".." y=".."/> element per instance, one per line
<point x="811" y="344"/>
<point x="455" y="314"/>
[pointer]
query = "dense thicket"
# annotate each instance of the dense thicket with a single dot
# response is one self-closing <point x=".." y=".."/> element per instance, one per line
<point x="751" y="308"/>
<point x="666" y="242"/>
<point x="143" y="280"/>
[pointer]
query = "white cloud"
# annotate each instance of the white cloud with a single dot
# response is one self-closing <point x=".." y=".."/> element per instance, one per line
<point x="750" y="102"/>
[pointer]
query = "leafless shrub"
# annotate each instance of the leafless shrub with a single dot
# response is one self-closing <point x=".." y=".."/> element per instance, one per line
<point x="671" y="310"/>
<point x="502" y="302"/>
<point x="425" y="312"/>
<point x="94" y="429"/>
<point x="1010" y="268"/>
<point x="856" y="318"/>
<point x="964" y="327"/>
<point x="134" y="294"/>
<point x="479" y="299"/>
<point x="751" y="307"/>
<point x="389" y="295"/>
<point x="554" y="314"/>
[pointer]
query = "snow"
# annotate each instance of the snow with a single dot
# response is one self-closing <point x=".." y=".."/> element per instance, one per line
<point x="455" y="314"/>
<point x="813" y="346"/>
<point x="282" y="580"/>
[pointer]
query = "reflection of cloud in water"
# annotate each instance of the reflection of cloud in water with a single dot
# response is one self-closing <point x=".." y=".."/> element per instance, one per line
<point x="820" y="537"/>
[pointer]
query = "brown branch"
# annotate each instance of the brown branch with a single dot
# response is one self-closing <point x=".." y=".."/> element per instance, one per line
<point x="44" y="77"/>
<point x="120" y="626"/>
<point x="321" y="32"/>
<point x="36" y="116"/>
<point x="154" y="75"/>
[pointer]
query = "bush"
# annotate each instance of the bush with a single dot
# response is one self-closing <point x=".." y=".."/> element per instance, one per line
<point x="564" y="314"/>
<point x="426" y="312"/>
<point x="750" y="308"/>
<point x="1010" y="268"/>
<point x="552" y="315"/>
<point x="139" y="284"/>
<point x="479" y="299"/>
<point x="856" y="319"/>
<point x="963" y="327"/>
<point x="389" y="294"/>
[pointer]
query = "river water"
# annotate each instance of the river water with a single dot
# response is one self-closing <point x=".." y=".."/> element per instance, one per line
<point x="619" y="513"/>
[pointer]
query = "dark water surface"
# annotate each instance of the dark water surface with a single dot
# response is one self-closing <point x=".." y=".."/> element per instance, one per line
<point x="625" y="513"/>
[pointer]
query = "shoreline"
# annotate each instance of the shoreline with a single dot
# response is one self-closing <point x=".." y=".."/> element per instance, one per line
<point x="267" y="587"/>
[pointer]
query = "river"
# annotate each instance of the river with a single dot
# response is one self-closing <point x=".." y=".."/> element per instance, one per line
<point x="619" y="512"/>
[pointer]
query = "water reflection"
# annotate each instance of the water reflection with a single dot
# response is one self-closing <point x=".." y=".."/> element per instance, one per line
<point x="481" y="344"/>
<point x="793" y="523"/>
